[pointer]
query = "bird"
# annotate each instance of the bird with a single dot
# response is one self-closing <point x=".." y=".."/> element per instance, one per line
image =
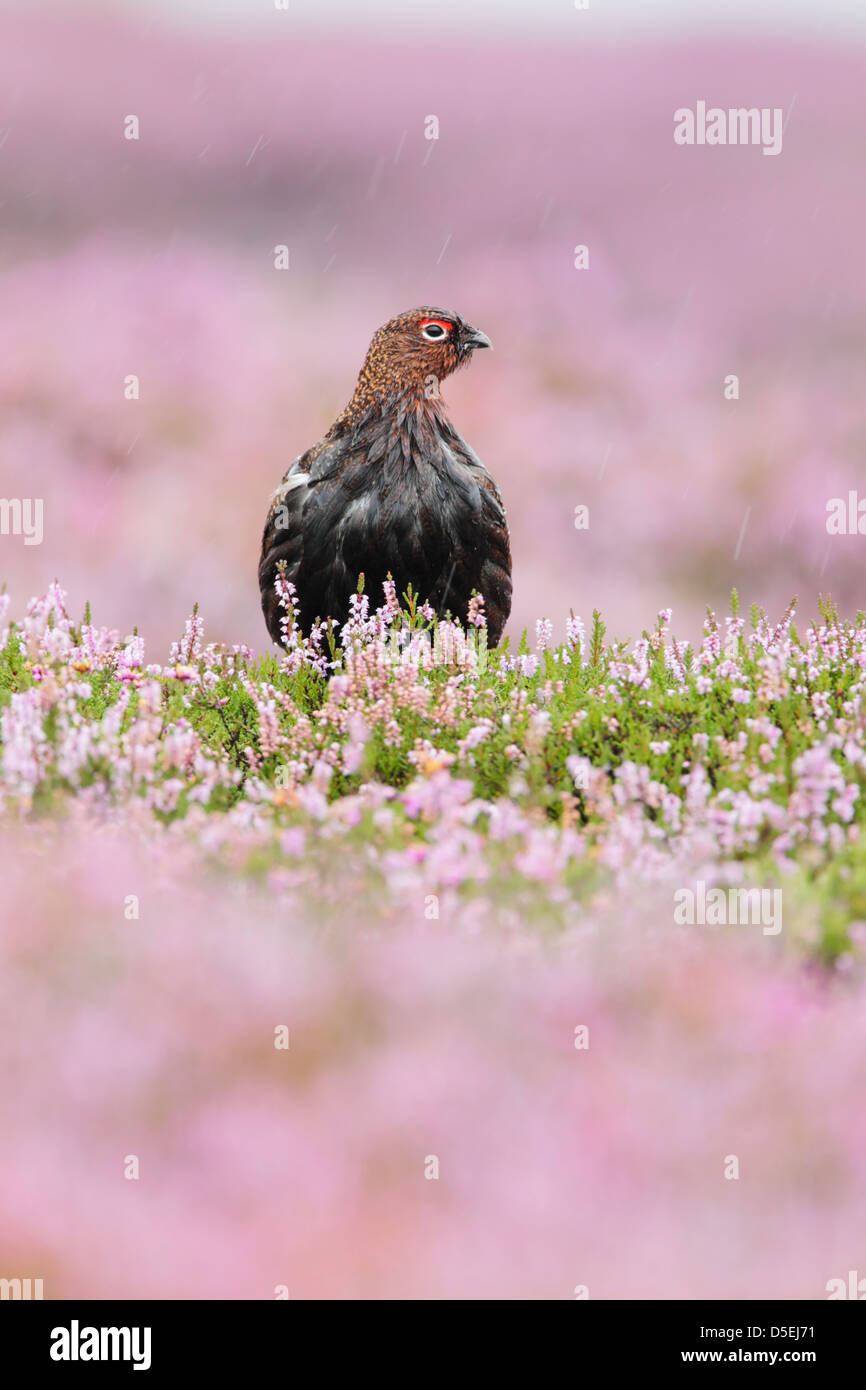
<point x="392" y="491"/>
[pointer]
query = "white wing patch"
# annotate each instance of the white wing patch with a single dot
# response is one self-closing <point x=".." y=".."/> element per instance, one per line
<point x="288" y="485"/>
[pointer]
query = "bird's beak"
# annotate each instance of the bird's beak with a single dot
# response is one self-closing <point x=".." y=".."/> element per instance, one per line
<point x="474" y="338"/>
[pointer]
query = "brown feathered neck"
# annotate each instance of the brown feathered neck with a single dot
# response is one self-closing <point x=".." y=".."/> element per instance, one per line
<point x="403" y="370"/>
<point x="405" y="403"/>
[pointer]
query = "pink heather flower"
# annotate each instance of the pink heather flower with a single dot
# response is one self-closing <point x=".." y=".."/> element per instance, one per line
<point x="575" y="635"/>
<point x="675" y="660"/>
<point x="844" y="805"/>
<point x="477" y="735"/>
<point x="360" y="627"/>
<point x="390" y="610"/>
<point x="293" y="841"/>
<point x="180" y="745"/>
<point x="541" y="856"/>
<point x="5" y="600"/>
<point x="353" y="752"/>
<point x="506" y="820"/>
<point x="475" y="615"/>
<point x="24" y="743"/>
<point x="271" y="738"/>
<point x="821" y="705"/>
<point x="289" y="631"/>
<point x="188" y="649"/>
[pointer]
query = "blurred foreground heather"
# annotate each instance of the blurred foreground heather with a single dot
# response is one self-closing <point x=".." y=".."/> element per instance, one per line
<point x="558" y="1166"/>
<point x="450" y="875"/>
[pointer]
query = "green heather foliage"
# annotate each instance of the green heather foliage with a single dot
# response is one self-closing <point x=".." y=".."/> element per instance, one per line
<point x="533" y="777"/>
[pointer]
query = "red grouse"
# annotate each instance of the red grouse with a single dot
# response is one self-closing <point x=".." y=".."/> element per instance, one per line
<point x="392" y="489"/>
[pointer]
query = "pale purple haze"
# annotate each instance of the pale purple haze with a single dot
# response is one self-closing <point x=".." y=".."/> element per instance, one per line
<point x="155" y="257"/>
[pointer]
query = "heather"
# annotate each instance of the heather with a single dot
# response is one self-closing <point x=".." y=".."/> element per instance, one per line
<point x="261" y="1170"/>
<point x="443" y="877"/>
<point x="401" y="761"/>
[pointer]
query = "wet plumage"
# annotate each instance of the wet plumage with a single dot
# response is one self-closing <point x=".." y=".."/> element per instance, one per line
<point x="392" y="489"/>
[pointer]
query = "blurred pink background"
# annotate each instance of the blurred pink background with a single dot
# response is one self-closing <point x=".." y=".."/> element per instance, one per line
<point x="602" y="1166"/>
<point x="155" y="257"/>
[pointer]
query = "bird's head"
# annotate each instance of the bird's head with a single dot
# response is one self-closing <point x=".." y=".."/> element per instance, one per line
<point x="413" y="353"/>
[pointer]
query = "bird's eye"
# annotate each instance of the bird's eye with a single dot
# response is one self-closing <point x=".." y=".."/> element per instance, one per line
<point x="433" y="331"/>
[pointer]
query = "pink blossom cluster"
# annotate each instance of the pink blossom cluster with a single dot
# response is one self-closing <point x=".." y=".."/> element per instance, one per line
<point x="301" y="790"/>
<point x="207" y="1096"/>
